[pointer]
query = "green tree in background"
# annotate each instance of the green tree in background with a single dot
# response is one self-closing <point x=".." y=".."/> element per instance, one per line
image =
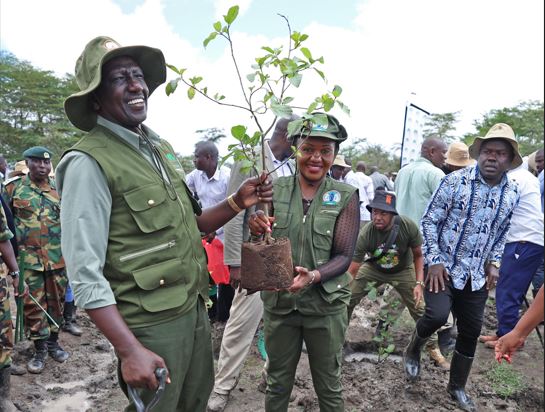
<point x="372" y="154"/>
<point x="441" y="125"/>
<point x="526" y="119"/>
<point x="212" y="134"/>
<point x="31" y="109"/>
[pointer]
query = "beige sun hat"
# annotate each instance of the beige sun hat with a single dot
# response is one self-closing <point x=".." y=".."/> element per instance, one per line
<point x="89" y="75"/>
<point x="498" y="131"/>
<point x="339" y="161"/>
<point x="19" y="169"/>
<point x="532" y="162"/>
<point x="458" y="155"/>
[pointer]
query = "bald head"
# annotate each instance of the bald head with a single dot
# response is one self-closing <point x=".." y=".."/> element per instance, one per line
<point x="279" y="143"/>
<point x="435" y="150"/>
<point x="360" y="166"/>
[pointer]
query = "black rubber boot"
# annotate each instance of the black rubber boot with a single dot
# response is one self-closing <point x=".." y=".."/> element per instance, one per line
<point x="460" y="366"/>
<point x="411" y="356"/>
<point x="37" y="363"/>
<point x="69" y="315"/>
<point x="54" y="349"/>
<point x="5" y="403"/>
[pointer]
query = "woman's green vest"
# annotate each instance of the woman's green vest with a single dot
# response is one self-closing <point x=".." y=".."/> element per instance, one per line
<point x="155" y="261"/>
<point x="311" y="238"/>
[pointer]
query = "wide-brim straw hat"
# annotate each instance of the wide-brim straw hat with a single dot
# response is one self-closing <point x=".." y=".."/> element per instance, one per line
<point x="498" y="131"/>
<point x="89" y="75"/>
<point x="458" y="155"/>
<point x="339" y="161"/>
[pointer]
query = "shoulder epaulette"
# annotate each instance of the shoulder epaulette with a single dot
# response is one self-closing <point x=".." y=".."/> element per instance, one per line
<point x="12" y="179"/>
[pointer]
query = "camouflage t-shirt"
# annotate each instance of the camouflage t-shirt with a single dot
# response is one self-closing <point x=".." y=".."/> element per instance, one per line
<point x="36" y="211"/>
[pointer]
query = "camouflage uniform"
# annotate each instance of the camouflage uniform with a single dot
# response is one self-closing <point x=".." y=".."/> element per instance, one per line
<point x="6" y="326"/>
<point x="36" y="210"/>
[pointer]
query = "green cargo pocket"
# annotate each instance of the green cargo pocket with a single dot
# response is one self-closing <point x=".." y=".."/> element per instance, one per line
<point x="163" y="285"/>
<point x="322" y="238"/>
<point x="337" y="289"/>
<point x="149" y="208"/>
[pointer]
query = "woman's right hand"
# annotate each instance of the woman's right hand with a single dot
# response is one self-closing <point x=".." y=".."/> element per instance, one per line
<point x="259" y="224"/>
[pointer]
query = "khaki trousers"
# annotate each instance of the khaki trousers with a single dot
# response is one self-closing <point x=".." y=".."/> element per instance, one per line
<point x="244" y="317"/>
<point x="403" y="282"/>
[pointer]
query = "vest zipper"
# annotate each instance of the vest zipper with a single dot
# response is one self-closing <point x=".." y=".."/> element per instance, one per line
<point x="144" y="252"/>
<point x="301" y="249"/>
<point x="187" y="228"/>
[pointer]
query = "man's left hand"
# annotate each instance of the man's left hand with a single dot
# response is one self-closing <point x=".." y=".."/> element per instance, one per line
<point x="16" y="289"/>
<point x="492" y="276"/>
<point x="254" y="190"/>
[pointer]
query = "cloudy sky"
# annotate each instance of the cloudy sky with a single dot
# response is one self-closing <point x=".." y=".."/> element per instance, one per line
<point x="442" y="55"/>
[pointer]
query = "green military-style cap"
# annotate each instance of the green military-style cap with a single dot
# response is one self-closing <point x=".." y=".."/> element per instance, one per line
<point x="320" y="125"/>
<point x="37" y="152"/>
<point x="89" y="75"/>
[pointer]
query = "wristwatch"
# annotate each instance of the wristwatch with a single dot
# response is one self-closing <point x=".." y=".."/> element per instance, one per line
<point x="14" y="274"/>
<point x="419" y="282"/>
<point x="494" y="263"/>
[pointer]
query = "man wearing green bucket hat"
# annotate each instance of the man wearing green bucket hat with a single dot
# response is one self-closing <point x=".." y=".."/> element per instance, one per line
<point x="131" y="230"/>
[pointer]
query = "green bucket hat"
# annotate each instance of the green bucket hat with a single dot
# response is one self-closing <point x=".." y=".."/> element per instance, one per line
<point x="89" y="75"/>
<point x="332" y="129"/>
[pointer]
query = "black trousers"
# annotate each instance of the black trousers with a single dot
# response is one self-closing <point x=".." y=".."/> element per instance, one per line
<point x="468" y="307"/>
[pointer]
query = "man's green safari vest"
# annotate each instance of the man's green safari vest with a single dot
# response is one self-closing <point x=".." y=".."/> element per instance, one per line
<point x="311" y="238"/>
<point x="155" y="261"/>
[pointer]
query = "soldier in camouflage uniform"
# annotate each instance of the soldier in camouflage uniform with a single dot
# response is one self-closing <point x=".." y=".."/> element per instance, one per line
<point x="6" y="326"/>
<point x="35" y="204"/>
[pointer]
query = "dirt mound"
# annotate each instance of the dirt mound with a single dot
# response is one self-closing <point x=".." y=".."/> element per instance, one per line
<point x="88" y="380"/>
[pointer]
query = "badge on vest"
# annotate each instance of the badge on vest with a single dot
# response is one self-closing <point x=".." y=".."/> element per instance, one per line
<point x="331" y="198"/>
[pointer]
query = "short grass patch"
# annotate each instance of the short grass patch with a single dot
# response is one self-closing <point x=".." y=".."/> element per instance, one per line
<point x="505" y="380"/>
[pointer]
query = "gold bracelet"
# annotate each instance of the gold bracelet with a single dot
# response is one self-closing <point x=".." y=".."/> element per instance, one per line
<point x="233" y="204"/>
<point x="419" y="282"/>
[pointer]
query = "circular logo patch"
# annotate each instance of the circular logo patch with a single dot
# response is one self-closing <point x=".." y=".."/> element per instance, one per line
<point x="332" y="197"/>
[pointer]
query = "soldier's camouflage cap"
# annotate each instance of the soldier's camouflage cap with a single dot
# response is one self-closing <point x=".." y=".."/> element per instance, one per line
<point x="37" y="152"/>
<point x="89" y="75"/>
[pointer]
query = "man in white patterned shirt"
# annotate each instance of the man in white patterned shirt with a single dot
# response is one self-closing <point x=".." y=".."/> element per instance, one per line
<point x="465" y="228"/>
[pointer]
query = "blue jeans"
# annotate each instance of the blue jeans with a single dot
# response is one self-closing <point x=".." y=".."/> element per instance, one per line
<point x="537" y="280"/>
<point x="519" y="264"/>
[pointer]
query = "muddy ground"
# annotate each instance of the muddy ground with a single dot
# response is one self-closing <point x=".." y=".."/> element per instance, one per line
<point x="88" y="382"/>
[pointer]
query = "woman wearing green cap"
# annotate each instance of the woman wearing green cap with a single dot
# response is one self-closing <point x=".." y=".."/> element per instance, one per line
<point x="321" y="218"/>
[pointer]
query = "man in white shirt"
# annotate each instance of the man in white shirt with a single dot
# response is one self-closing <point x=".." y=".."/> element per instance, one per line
<point x="367" y="191"/>
<point x="209" y="183"/>
<point x="522" y="255"/>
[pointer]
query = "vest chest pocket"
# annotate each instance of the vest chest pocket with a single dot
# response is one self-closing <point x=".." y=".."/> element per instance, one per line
<point x="149" y="207"/>
<point x="162" y="286"/>
<point x="324" y="227"/>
